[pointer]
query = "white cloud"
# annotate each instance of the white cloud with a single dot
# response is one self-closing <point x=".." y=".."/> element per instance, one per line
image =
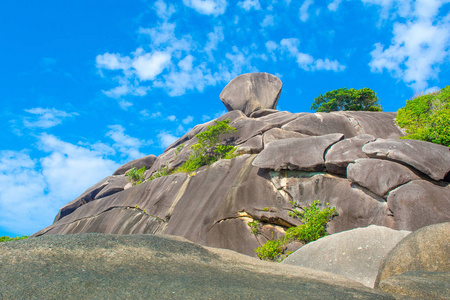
<point x="304" y="10"/>
<point x="112" y="61"/>
<point x="149" y="65"/>
<point x="126" y="145"/>
<point x="214" y="38"/>
<point x="205" y="118"/>
<point x="148" y="115"/>
<point x="125" y="104"/>
<point x="171" y="118"/>
<point x="268" y="21"/>
<point x="207" y="7"/>
<point x="46" y="117"/>
<point x="188" y="120"/>
<point x="249" y="4"/>
<point x="415" y="53"/>
<point x="166" y="139"/>
<point x="186" y="63"/>
<point x="163" y="10"/>
<point x="333" y="6"/>
<point x="32" y="191"/>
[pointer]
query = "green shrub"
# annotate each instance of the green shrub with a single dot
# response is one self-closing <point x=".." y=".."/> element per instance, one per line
<point x="7" y="238"/>
<point x="314" y="225"/>
<point x="163" y="171"/>
<point x="427" y="117"/>
<point x="208" y="149"/>
<point x="271" y="250"/>
<point x="254" y="226"/>
<point x="344" y="99"/>
<point x="135" y="176"/>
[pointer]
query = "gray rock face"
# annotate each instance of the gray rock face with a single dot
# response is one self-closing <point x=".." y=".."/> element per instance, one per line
<point x="108" y="186"/>
<point x="321" y="124"/>
<point x="379" y="176"/>
<point x="276" y="134"/>
<point x="251" y="92"/>
<point x="431" y="159"/>
<point x="427" y="249"/>
<point x="377" y="124"/>
<point x="420" y="203"/>
<point x="418" y="285"/>
<point x="146" y="162"/>
<point x="355" y="254"/>
<point x="304" y="154"/>
<point x="344" y="152"/>
<point x="99" y="266"/>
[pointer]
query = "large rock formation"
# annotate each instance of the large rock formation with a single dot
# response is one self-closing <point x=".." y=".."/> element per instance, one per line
<point x="352" y="160"/>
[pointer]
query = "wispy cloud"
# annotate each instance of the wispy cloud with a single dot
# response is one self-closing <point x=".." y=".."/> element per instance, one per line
<point x="303" y="13"/>
<point x="128" y="146"/>
<point x="207" y="7"/>
<point x="250" y="4"/>
<point x="166" y="139"/>
<point x="188" y="120"/>
<point x="45" y="117"/>
<point x="418" y="46"/>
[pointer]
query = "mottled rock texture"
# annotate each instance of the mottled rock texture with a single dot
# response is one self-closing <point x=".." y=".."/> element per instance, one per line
<point x="355" y="254"/>
<point x="99" y="266"/>
<point x="252" y="92"/>
<point x="146" y="162"/>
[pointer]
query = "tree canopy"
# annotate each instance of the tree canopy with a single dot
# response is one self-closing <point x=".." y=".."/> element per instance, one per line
<point x="427" y="117"/>
<point x="347" y="99"/>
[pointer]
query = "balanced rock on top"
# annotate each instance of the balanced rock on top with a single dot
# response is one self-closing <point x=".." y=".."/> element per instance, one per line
<point x="251" y="92"/>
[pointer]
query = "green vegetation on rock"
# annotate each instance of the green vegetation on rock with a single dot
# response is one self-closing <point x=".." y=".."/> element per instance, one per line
<point x="347" y="99"/>
<point x="314" y="226"/>
<point x="135" y="176"/>
<point x="427" y="117"/>
<point x="8" y="239"/>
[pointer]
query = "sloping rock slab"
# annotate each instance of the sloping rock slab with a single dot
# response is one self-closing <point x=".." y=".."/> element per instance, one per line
<point x="262" y="112"/>
<point x="344" y="152"/>
<point x="378" y="124"/>
<point x="146" y="162"/>
<point x="296" y="154"/>
<point x="251" y="92"/>
<point x="429" y="158"/>
<point x="98" y="266"/>
<point x="419" y="285"/>
<point x="420" y="203"/>
<point x="427" y="249"/>
<point x="379" y="176"/>
<point x="355" y="254"/>
<point x="275" y="134"/>
<point x="92" y="193"/>
<point x="321" y="124"/>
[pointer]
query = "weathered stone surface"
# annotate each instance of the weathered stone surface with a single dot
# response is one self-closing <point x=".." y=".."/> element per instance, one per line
<point x="378" y="124"/>
<point x="344" y="152"/>
<point x="276" y="134"/>
<point x="419" y="285"/>
<point x="110" y="185"/>
<point x="280" y="118"/>
<point x="427" y="249"/>
<point x="420" y="203"/>
<point x="245" y="130"/>
<point x="296" y="154"/>
<point x="321" y="124"/>
<point x="379" y="176"/>
<point x="146" y="162"/>
<point x="356" y="207"/>
<point x="251" y="92"/>
<point x="355" y="254"/>
<point x="98" y="266"/>
<point x="262" y="112"/>
<point x="252" y="146"/>
<point x="429" y="158"/>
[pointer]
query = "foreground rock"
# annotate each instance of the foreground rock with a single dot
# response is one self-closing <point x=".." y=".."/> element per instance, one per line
<point x="427" y="249"/>
<point x="355" y="254"/>
<point x="97" y="266"/>
<point x="251" y="92"/>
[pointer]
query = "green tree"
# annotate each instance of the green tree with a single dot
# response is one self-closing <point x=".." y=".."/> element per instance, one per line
<point x="427" y="117"/>
<point x="344" y="99"/>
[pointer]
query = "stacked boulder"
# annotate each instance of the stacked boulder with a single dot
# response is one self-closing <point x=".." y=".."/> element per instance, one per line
<point x="352" y="160"/>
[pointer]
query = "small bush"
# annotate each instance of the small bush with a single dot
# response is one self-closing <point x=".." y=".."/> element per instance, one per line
<point x="135" y="176"/>
<point x="314" y="225"/>
<point x="427" y="117"/>
<point x="163" y="171"/>
<point x="8" y="239"/>
<point x="254" y="226"/>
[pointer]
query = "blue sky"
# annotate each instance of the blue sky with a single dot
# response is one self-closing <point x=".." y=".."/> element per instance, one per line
<point x="86" y="86"/>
